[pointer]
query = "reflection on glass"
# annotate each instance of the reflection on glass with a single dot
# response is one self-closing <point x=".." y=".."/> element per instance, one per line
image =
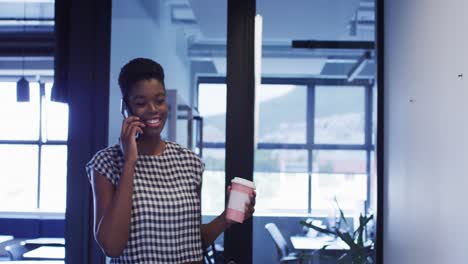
<point x="282" y="181"/>
<point x="18" y="180"/>
<point x="56" y="118"/>
<point x="281" y="192"/>
<point x="350" y="191"/>
<point x="213" y="182"/>
<point x="282" y="113"/>
<point x="214" y="159"/>
<point x="374" y="114"/>
<point x="339" y="161"/>
<point x="280" y="160"/>
<point x="212" y="197"/>
<point x="19" y="121"/>
<point x="372" y="190"/>
<point x="336" y="113"/>
<point x="53" y="178"/>
<point x="339" y="115"/>
<point x="212" y="107"/>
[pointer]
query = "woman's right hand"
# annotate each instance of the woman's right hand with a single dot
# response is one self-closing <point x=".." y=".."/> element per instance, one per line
<point x="127" y="140"/>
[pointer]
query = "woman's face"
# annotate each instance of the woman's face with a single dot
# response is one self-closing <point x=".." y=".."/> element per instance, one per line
<point x="147" y="100"/>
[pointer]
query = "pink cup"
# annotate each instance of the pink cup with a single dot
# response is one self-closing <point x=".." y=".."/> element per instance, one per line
<point x="240" y="191"/>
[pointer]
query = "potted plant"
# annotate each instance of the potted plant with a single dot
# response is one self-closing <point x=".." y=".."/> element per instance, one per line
<point x="360" y="251"/>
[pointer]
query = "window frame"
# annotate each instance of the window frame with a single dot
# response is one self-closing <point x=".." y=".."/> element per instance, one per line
<point x="40" y="143"/>
<point x="368" y="85"/>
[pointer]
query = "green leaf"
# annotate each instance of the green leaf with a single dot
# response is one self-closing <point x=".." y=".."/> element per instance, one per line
<point x="342" y="258"/>
<point x="341" y="213"/>
<point x="316" y="228"/>
<point x="346" y="237"/>
<point x="360" y="232"/>
<point x="357" y="253"/>
<point x="362" y="224"/>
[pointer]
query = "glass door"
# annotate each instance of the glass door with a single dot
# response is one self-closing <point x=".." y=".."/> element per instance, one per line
<point x="316" y="120"/>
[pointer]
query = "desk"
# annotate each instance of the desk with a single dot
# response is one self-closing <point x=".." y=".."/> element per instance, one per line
<point x="46" y="241"/>
<point x="46" y="252"/>
<point x="315" y="243"/>
<point x="5" y="238"/>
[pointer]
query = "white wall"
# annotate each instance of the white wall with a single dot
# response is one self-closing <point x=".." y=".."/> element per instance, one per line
<point x="426" y="130"/>
<point x="143" y="28"/>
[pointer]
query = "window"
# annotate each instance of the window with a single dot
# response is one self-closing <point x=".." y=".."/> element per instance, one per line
<point x="314" y="144"/>
<point x="339" y="115"/>
<point x="33" y="150"/>
<point x="281" y="179"/>
<point x="340" y="174"/>
<point x="282" y="113"/>
<point x="213" y="179"/>
<point x="212" y="107"/>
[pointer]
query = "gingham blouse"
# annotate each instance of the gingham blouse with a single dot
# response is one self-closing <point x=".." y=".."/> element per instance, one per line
<point x="166" y="218"/>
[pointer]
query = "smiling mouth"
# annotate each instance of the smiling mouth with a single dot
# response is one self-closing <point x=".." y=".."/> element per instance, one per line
<point x="153" y="122"/>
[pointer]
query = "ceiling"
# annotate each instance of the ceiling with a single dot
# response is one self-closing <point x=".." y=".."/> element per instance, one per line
<point x="337" y="21"/>
<point x="205" y="22"/>
<point x="287" y="20"/>
<point x="26" y="27"/>
<point x="26" y="15"/>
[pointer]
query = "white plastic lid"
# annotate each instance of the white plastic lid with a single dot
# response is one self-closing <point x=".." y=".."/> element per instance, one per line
<point x="243" y="182"/>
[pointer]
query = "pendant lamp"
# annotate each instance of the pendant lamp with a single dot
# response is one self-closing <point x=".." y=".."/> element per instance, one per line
<point x="22" y="86"/>
<point x="22" y="90"/>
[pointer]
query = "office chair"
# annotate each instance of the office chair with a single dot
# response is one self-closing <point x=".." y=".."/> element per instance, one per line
<point x="213" y="254"/>
<point x="210" y="254"/>
<point x="284" y="254"/>
<point x="16" y="251"/>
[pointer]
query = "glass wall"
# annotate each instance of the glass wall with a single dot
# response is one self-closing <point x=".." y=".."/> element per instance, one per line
<point x="315" y="124"/>
<point x="316" y="100"/>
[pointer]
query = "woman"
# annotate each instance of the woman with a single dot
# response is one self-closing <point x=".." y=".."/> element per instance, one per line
<point x="147" y="190"/>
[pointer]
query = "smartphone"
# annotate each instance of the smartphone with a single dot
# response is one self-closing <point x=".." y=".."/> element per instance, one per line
<point x="125" y="111"/>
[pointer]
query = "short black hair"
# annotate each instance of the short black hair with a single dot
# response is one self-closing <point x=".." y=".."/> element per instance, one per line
<point x="139" y="69"/>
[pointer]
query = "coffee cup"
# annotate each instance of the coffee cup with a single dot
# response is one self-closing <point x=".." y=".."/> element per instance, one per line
<point x="241" y="189"/>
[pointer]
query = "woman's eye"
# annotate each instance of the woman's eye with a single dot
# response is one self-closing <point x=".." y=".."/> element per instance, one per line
<point x="160" y="101"/>
<point x="139" y="103"/>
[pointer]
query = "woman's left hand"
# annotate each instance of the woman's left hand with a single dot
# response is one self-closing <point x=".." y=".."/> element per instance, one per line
<point x="250" y="207"/>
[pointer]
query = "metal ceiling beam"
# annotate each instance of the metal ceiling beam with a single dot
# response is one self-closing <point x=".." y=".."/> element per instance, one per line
<point x="327" y="44"/>
<point x="359" y="66"/>
<point x="27" y="19"/>
<point x="20" y="24"/>
<point x="36" y="44"/>
<point x="204" y="51"/>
